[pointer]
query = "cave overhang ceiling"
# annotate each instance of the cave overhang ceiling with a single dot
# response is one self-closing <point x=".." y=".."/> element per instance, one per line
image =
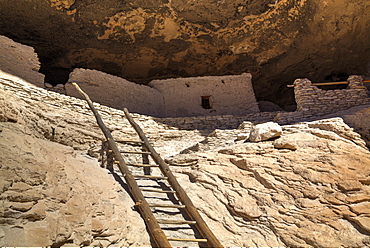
<point x="275" y="40"/>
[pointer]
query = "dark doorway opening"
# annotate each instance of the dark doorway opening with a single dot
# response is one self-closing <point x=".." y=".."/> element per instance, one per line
<point x="207" y="102"/>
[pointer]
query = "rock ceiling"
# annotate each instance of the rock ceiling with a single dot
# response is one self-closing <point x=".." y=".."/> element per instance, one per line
<point x="276" y="40"/>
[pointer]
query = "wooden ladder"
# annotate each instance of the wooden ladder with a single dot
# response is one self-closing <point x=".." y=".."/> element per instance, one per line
<point x="170" y="187"/>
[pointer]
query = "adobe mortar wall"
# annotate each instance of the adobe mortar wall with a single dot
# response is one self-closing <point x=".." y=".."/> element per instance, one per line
<point x="227" y="95"/>
<point x="116" y="92"/>
<point x="177" y="97"/>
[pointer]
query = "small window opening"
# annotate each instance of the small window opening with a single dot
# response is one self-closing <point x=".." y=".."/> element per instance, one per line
<point x="207" y="102"/>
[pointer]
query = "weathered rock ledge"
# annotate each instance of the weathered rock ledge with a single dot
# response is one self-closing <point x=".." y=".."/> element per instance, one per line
<point x="308" y="187"/>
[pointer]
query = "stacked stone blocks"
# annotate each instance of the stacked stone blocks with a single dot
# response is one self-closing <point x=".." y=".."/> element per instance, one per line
<point x="320" y="102"/>
<point x="312" y="101"/>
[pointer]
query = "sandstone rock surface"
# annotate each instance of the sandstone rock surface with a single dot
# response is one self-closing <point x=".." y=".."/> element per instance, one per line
<point x="293" y="191"/>
<point x="20" y="60"/>
<point x="53" y="196"/>
<point x="308" y="188"/>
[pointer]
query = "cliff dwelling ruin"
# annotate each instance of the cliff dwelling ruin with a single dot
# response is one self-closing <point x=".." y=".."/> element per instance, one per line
<point x="206" y="123"/>
<point x="180" y="97"/>
<point x="275" y="41"/>
<point x="231" y="95"/>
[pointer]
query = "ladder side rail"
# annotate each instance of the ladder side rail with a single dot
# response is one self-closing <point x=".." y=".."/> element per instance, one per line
<point x="180" y="192"/>
<point x="154" y="229"/>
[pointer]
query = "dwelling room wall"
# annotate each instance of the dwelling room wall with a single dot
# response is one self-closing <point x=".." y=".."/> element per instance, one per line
<point x="210" y="95"/>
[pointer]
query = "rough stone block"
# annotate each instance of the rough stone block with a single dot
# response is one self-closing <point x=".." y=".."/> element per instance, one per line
<point x="265" y="131"/>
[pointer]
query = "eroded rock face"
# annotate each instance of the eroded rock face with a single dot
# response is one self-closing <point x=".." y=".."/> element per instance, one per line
<point x="309" y="187"/>
<point x="52" y="196"/>
<point x="277" y="41"/>
<point x="20" y="60"/>
<point x="303" y="189"/>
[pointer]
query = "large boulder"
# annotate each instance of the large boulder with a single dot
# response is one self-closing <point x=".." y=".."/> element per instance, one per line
<point x="265" y="131"/>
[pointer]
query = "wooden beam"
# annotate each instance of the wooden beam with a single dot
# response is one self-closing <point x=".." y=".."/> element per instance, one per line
<point x="180" y="193"/>
<point x="154" y="229"/>
<point x="329" y="83"/>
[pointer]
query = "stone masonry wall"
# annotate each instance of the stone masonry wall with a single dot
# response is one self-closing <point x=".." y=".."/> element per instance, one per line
<point x="216" y="122"/>
<point x="319" y="102"/>
<point x="313" y="102"/>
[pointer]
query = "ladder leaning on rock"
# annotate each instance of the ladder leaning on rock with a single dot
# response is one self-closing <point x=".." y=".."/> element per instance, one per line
<point x="154" y="224"/>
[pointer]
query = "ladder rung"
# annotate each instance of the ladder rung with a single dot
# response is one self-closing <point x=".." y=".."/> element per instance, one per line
<point x="135" y="152"/>
<point x="142" y="165"/>
<point x="159" y="191"/>
<point x="130" y="141"/>
<point x="178" y="222"/>
<point x="139" y="165"/>
<point x="187" y="240"/>
<point x="166" y="205"/>
<point x="151" y="177"/>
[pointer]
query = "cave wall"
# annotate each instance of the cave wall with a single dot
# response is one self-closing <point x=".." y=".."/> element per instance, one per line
<point x="275" y="40"/>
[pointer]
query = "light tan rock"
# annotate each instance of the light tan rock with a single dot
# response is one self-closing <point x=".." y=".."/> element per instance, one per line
<point x="363" y="222"/>
<point x="22" y="206"/>
<point x="349" y="185"/>
<point x="355" y="198"/>
<point x="265" y="131"/>
<point x="250" y="194"/>
<point x="285" y="143"/>
<point x="244" y="206"/>
<point x="338" y="126"/>
<point x="360" y="208"/>
<point x="8" y="111"/>
<point x="20" y="61"/>
<point x="62" y="207"/>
